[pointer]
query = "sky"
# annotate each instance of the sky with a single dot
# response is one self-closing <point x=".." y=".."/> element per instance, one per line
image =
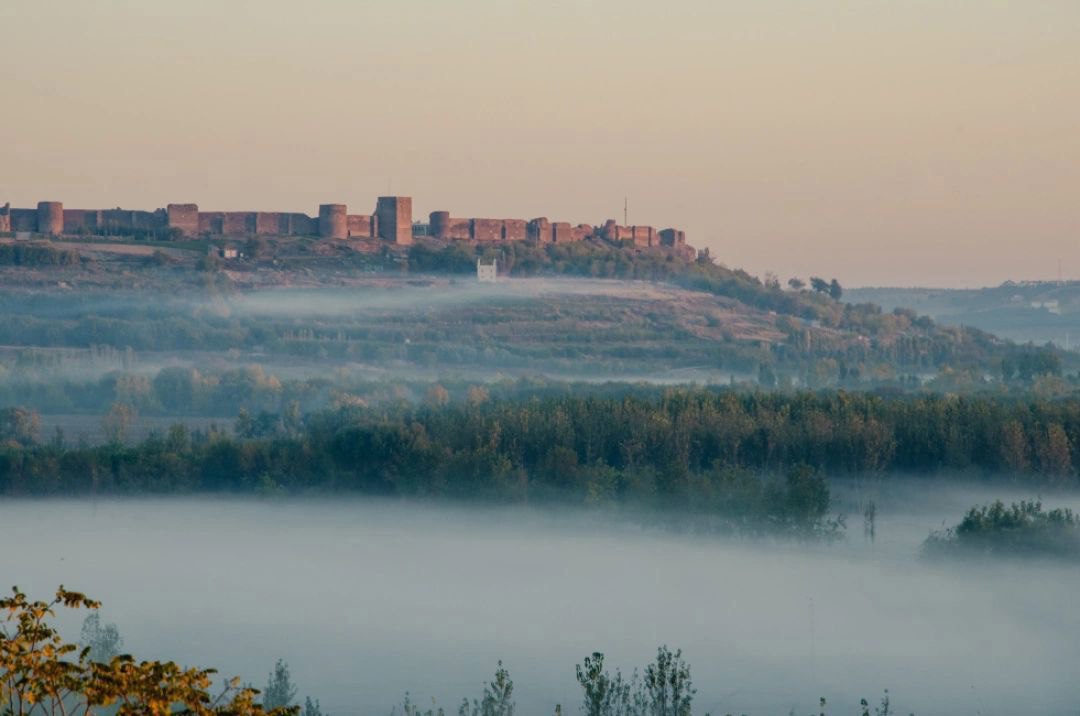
<point x="883" y="142"/>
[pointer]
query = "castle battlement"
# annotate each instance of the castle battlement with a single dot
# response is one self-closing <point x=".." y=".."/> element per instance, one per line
<point x="391" y="221"/>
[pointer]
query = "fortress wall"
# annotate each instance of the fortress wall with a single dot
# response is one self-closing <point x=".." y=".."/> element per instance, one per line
<point x="458" y="228"/>
<point x="643" y="235"/>
<point x="149" y="220"/>
<point x="238" y="223"/>
<point x="24" y="219"/>
<point x="538" y="230"/>
<point x="582" y="232"/>
<point x="561" y="232"/>
<point x="487" y="229"/>
<point x="303" y="225"/>
<point x="515" y="229"/>
<point x="672" y="237"/>
<point x="117" y="220"/>
<point x="76" y="220"/>
<point x="267" y="223"/>
<point x="184" y="217"/>
<point x="209" y="222"/>
<point x="360" y="226"/>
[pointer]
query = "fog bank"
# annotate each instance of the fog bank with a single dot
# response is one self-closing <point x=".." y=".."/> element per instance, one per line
<point x="368" y="599"/>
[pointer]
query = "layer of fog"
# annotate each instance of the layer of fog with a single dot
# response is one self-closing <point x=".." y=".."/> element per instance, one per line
<point x="368" y="599"/>
<point x="421" y="294"/>
<point x="381" y="296"/>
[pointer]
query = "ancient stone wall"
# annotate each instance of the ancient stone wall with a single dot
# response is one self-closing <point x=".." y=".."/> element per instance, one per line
<point x="24" y="219"/>
<point x="77" y="221"/>
<point x="487" y="230"/>
<point x="391" y="221"/>
<point x="582" y="232"/>
<point x="515" y="229"/>
<point x="238" y="223"/>
<point x="539" y="230"/>
<point x="184" y="217"/>
<point x="303" y="225"/>
<point x="270" y="223"/>
<point x="561" y="232"/>
<point x="672" y="237"/>
<point x="360" y="226"/>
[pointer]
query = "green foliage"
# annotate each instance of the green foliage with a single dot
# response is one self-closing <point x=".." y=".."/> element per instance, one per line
<point x="42" y="674"/>
<point x="1022" y="529"/>
<point x="497" y="699"/>
<point x="103" y="640"/>
<point x="36" y="254"/>
<point x="19" y="425"/>
<point x="280" y="691"/>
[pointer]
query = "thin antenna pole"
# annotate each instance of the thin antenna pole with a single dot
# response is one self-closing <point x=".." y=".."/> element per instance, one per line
<point x="813" y="650"/>
<point x="626" y="210"/>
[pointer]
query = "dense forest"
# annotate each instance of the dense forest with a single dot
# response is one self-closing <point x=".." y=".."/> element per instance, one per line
<point x="719" y="452"/>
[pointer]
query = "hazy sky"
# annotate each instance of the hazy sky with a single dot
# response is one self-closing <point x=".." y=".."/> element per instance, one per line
<point x="880" y="141"/>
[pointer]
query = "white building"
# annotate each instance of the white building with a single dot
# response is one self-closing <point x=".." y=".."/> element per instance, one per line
<point x="487" y="274"/>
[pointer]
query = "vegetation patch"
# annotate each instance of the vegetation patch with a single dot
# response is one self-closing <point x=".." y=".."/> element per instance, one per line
<point x="1022" y="529"/>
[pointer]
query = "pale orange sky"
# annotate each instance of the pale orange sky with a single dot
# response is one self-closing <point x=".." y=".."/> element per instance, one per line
<point x="890" y="142"/>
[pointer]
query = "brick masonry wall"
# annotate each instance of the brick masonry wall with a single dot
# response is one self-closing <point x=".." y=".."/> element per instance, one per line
<point x="360" y="226"/>
<point x="184" y="217"/>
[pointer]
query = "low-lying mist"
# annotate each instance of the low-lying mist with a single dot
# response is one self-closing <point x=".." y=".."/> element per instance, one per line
<point x="368" y="599"/>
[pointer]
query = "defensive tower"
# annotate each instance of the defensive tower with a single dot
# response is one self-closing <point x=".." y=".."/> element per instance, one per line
<point x="395" y="218"/>
<point x="333" y="221"/>
<point x="50" y="218"/>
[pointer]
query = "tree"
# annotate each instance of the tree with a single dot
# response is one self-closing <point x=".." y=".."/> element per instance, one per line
<point x="116" y="422"/>
<point x="437" y="396"/>
<point x="796" y="284"/>
<point x="819" y="284"/>
<point x="607" y="695"/>
<point x="40" y="673"/>
<point x="668" y="685"/>
<point x="103" y="640"/>
<point x="19" y="424"/>
<point x="497" y="698"/>
<point x="835" y="290"/>
<point x="279" y="692"/>
<point x="312" y="708"/>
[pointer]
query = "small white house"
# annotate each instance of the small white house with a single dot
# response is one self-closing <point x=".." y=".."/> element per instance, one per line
<point x="485" y="273"/>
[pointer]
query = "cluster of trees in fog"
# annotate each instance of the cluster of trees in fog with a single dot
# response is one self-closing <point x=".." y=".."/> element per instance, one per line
<point x="1022" y="529"/>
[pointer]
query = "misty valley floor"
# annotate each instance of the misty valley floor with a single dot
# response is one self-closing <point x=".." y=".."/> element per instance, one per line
<point x="369" y="599"/>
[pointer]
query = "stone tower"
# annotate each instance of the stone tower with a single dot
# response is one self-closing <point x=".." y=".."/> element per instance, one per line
<point x="395" y="218"/>
<point x="333" y="221"/>
<point x="50" y="218"/>
<point x="439" y="221"/>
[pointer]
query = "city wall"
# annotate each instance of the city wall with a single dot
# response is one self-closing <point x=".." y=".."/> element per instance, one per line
<point x="391" y="221"/>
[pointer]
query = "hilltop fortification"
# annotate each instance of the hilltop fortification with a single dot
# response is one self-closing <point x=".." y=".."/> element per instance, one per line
<point x="391" y="221"/>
